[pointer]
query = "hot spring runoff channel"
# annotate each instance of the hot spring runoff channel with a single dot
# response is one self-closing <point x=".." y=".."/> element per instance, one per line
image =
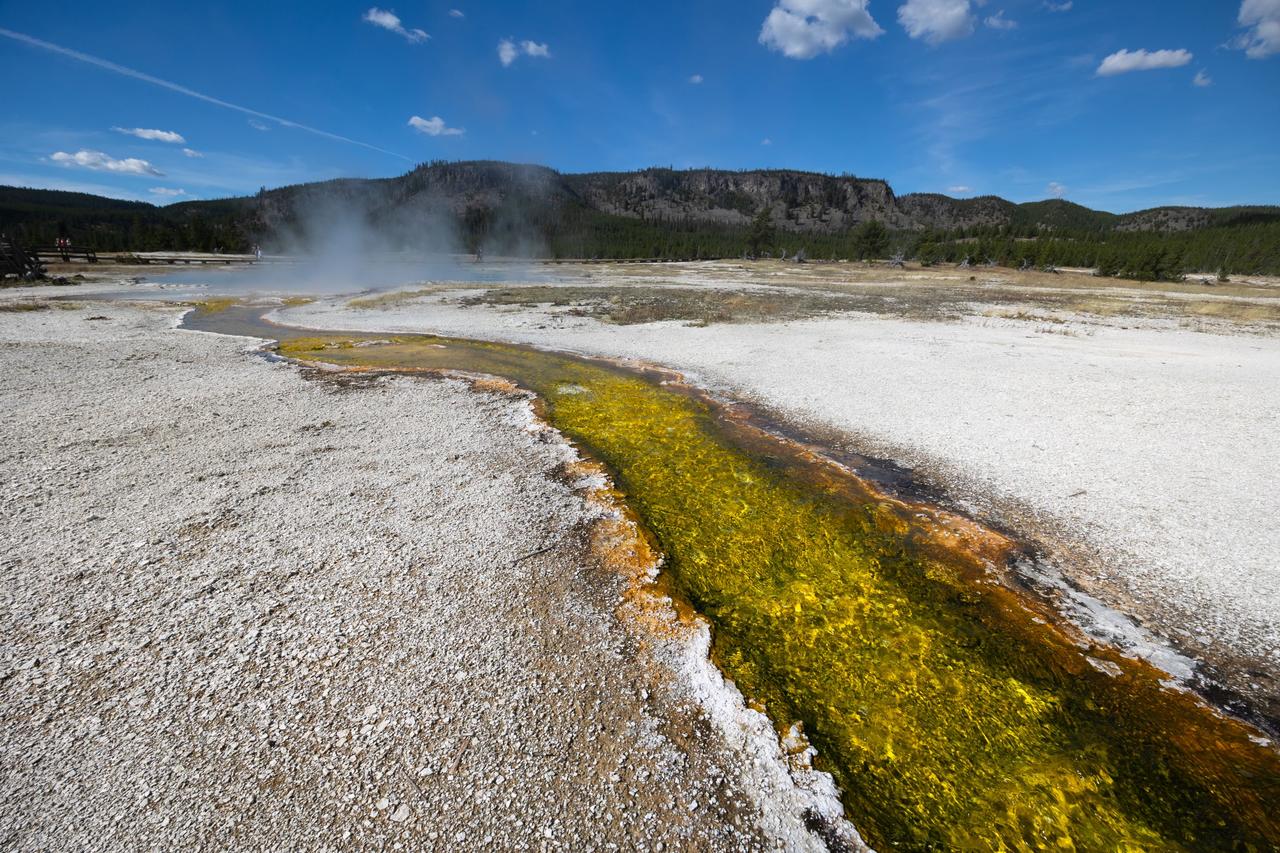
<point x="953" y="712"/>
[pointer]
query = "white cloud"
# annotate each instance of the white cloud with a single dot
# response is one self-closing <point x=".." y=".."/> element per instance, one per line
<point x="1202" y="79"/>
<point x="434" y="126"/>
<point x="1263" y="37"/>
<point x="960" y="190"/>
<point x="999" y="22"/>
<point x="1058" y="7"/>
<point x="766" y="141"/>
<point x="100" y="162"/>
<point x="154" y="135"/>
<point x="509" y="51"/>
<point x="191" y="152"/>
<point x="936" y="21"/>
<point x="456" y="13"/>
<point x="1124" y="61"/>
<point x="801" y="29"/>
<point x="258" y="125"/>
<point x="390" y="21"/>
<point x="695" y="79"/>
<point x="167" y="191"/>
<point x="1056" y="189"/>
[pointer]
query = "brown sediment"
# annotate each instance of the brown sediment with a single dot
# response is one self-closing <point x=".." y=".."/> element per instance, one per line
<point x="794" y="292"/>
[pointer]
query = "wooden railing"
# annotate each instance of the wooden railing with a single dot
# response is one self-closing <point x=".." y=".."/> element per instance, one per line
<point x="14" y="260"/>
<point x="66" y="254"/>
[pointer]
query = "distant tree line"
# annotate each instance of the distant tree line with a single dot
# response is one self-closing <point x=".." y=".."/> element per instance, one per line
<point x="1252" y="248"/>
<point x="584" y="233"/>
<point x="1142" y="255"/>
<point x="529" y="222"/>
<point x="39" y="217"/>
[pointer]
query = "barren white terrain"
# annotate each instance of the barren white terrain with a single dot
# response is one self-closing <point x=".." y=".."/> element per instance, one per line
<point x="248" y="607"/>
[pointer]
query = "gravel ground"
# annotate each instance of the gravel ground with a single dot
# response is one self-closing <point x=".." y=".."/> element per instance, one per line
<point x="1144" y="458"/>
<point x="245" y="607"/>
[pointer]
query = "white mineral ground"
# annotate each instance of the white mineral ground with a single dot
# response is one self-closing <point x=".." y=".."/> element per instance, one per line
<point x="1140" y="450"/>
<point x="241" y="603"/>
<point x="244" y="606"/>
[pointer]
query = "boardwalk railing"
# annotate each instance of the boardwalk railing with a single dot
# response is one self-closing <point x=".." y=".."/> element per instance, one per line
<point x="14" y="260"/>
<point x="180" y="258"/>
<point x="66" y="254"/>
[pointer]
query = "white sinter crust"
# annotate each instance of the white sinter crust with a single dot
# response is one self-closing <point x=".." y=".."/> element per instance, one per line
<point x="243" y="607"/>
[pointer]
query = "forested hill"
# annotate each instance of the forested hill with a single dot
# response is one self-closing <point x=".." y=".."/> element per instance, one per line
<point x="510" y="208"/>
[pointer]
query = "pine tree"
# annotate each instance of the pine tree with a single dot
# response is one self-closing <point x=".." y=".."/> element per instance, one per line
<point x="871" y="239"/>
<point x="761" y="234"/>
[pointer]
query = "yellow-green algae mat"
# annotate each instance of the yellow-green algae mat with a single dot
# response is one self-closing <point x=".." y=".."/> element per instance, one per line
<point x="951" y="711"/>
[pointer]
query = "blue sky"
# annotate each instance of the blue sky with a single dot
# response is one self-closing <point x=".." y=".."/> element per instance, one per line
<point x="1021" y="98"/>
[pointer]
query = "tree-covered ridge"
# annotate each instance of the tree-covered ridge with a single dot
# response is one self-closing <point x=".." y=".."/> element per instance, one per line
<point x="508" y="208"/>
<point x="37" y="201"/>
<point x="39" y="217"/>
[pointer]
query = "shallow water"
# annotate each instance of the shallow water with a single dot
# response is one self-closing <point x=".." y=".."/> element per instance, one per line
<point x="950" y="710"/>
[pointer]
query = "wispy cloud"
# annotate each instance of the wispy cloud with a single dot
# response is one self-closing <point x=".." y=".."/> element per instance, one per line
<point x="695" y="79"/>
<point x="1058" y="7"/>
<point x="227" y="173"/>
<point x="1055" y="189"/>
<point x="1187" y="170"/>
<point x="949" y="112"/>
<point x="434" y="126"/>
<point x="258" y="125"/>
<point x="191" y="152"/>
<point x="1202" y="79"/>
<point x="183" y="90"/>
<point x="456" y="13"/>
<point x="1262" y="39"/>
<point x="100" y="162"/>
<point x="1124" y="61"/>
<point x="766" y="141"/>
<point x="959" y="190"/>
<point x="168" y="192"/>
<point x="509" y="51"/>
<point x="155" y="135"/>
<point x="999" y="22"/>
<point x="802" y="29"/>
<point x="390" y="21"/>
<point x="936" y="21"/>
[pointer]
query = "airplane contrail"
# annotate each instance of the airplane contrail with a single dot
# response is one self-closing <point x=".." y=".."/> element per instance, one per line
<point x="183" y="90"/>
